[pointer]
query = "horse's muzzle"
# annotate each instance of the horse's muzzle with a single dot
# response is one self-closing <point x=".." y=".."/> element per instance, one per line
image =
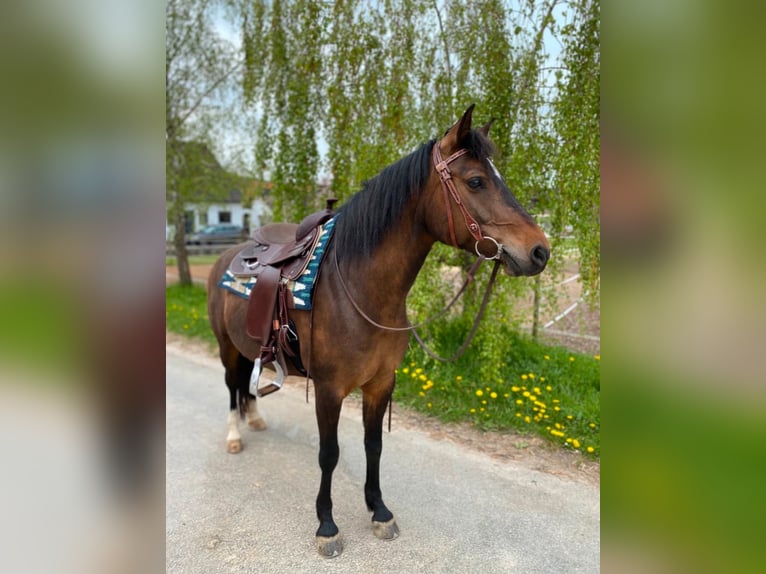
<point x="534" y="263"/>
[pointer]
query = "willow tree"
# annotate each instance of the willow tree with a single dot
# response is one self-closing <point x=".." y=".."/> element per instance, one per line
<point x="366" y="82"/>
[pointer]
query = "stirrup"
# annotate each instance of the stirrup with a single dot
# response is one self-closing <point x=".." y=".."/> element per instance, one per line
<point x="271" y="386"/>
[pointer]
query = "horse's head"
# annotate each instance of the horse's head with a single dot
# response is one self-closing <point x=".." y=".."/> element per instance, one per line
<point x="477" y="211"/>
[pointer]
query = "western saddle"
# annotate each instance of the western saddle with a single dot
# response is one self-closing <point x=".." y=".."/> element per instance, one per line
<point x="280" y="253"/>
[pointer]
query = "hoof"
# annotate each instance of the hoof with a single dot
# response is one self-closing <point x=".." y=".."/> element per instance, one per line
<point x="385" y="530"/>
<point x="329" y="546"/>
<point x="257" y="424"/>
<point x="234" y="446"/>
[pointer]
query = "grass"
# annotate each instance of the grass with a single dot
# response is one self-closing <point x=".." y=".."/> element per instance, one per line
<point x="547" y="391"/>
<point x="194" y="259"/>
<point x="186" y="312"/>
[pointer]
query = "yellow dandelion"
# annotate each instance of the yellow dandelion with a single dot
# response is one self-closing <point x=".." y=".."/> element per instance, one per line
<point x="571" y="359"/>
<point x="429" y="405"/>
<point x="472" y="411"/>
<point x="412" y="364"/>
<point x="518" y="414"/>
<point x="569" y="440"/>
<point x="481" y="410"/>
<point x="546" y="357"/>
<point x="422" y="394"/>
<point x="526" y="393"/>
<point x="484" y="402"/>
<point x="419" y="370"/>
<point x="515" y="389"/>
<point x="537" y="390"/>
<point x="524" y="377"/>
<point x="598" y="358"/>
<point x="519" y="402"/>
<point x="527" y="419"/>
<point x="556" y="401"/>
<point x="531" y="375"/>
<point x="459" y="378"/>
<point x="479" y="392"/>
<point x="557" y="408"/>
<point x="549" y="388"/>
<point x="493" y="394"/>
<point x="506" y="395"/>
<point x="576" y="443"/>
<point x="405" y="370"/>
<point x="542" y="379"/>
<point x="423" y="378"/>
<point x="557" y="433"/>
<point x="570" y="417"/>
<point x="592" y="425"/>
<point x="533" y="398"/>
<point x="590" y="449"/>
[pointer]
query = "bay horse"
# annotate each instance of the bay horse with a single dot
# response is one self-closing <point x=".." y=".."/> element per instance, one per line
<point x="381" y="239"/>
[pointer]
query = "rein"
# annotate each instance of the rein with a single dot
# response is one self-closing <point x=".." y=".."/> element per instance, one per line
<point x="410" y="327"/>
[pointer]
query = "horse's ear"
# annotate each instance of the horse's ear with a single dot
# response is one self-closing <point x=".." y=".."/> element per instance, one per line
<point x="485" y="128"/>
<point x="460" y="130"/>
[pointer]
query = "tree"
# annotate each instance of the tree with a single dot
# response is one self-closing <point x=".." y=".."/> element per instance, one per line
<point x="371" y="80"/>
<point x="200" y="71"/>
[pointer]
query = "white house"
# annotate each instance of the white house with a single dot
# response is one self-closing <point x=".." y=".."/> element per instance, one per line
<point x="231" y="211"/>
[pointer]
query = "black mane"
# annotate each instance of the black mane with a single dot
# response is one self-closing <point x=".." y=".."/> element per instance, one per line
<point x="364" y="220"/>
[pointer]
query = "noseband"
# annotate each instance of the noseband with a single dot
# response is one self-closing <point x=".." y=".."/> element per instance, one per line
<point x="448" y="186"/>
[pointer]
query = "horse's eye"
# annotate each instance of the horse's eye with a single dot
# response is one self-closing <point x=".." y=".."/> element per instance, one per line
<point x="475" y="183"/>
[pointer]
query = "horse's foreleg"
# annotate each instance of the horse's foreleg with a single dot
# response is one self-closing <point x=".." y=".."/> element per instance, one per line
<point x="376" y="399"/>
<point x="328" y="406"/>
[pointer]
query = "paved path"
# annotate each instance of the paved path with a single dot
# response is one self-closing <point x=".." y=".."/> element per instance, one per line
<point x="458" y="510"/>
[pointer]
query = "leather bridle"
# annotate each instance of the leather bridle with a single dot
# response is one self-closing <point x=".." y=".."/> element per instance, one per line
<point x="448" y="185"/>
<point x="450" y="191"/>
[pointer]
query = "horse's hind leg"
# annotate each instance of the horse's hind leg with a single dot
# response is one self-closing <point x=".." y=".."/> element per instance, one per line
<point x="241" y="402"/>
<point x="329" y="543"/>
<point x="377" y="396"/>
<point x="233" y="438"/>
<point x="254" y="420"/>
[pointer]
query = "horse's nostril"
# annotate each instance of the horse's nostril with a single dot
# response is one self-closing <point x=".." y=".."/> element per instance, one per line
<point x="539" y="255"/>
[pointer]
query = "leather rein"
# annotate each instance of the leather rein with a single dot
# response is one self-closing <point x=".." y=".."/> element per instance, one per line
<point x="450" y="194"/>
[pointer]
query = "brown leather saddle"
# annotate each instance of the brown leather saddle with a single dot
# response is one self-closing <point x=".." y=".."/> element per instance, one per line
<point x="280" y="252"/>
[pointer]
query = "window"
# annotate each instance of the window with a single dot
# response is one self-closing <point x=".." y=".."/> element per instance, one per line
<point x="224" y="217"/>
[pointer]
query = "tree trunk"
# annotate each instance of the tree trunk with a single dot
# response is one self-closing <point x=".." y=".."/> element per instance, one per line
<point x="179" y="241"/>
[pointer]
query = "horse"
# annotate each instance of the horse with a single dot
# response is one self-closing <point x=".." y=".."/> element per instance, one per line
<point x="357" y="335"/>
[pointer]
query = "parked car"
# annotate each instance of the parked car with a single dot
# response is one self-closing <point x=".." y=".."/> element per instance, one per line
<point x="221" y="233"/>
